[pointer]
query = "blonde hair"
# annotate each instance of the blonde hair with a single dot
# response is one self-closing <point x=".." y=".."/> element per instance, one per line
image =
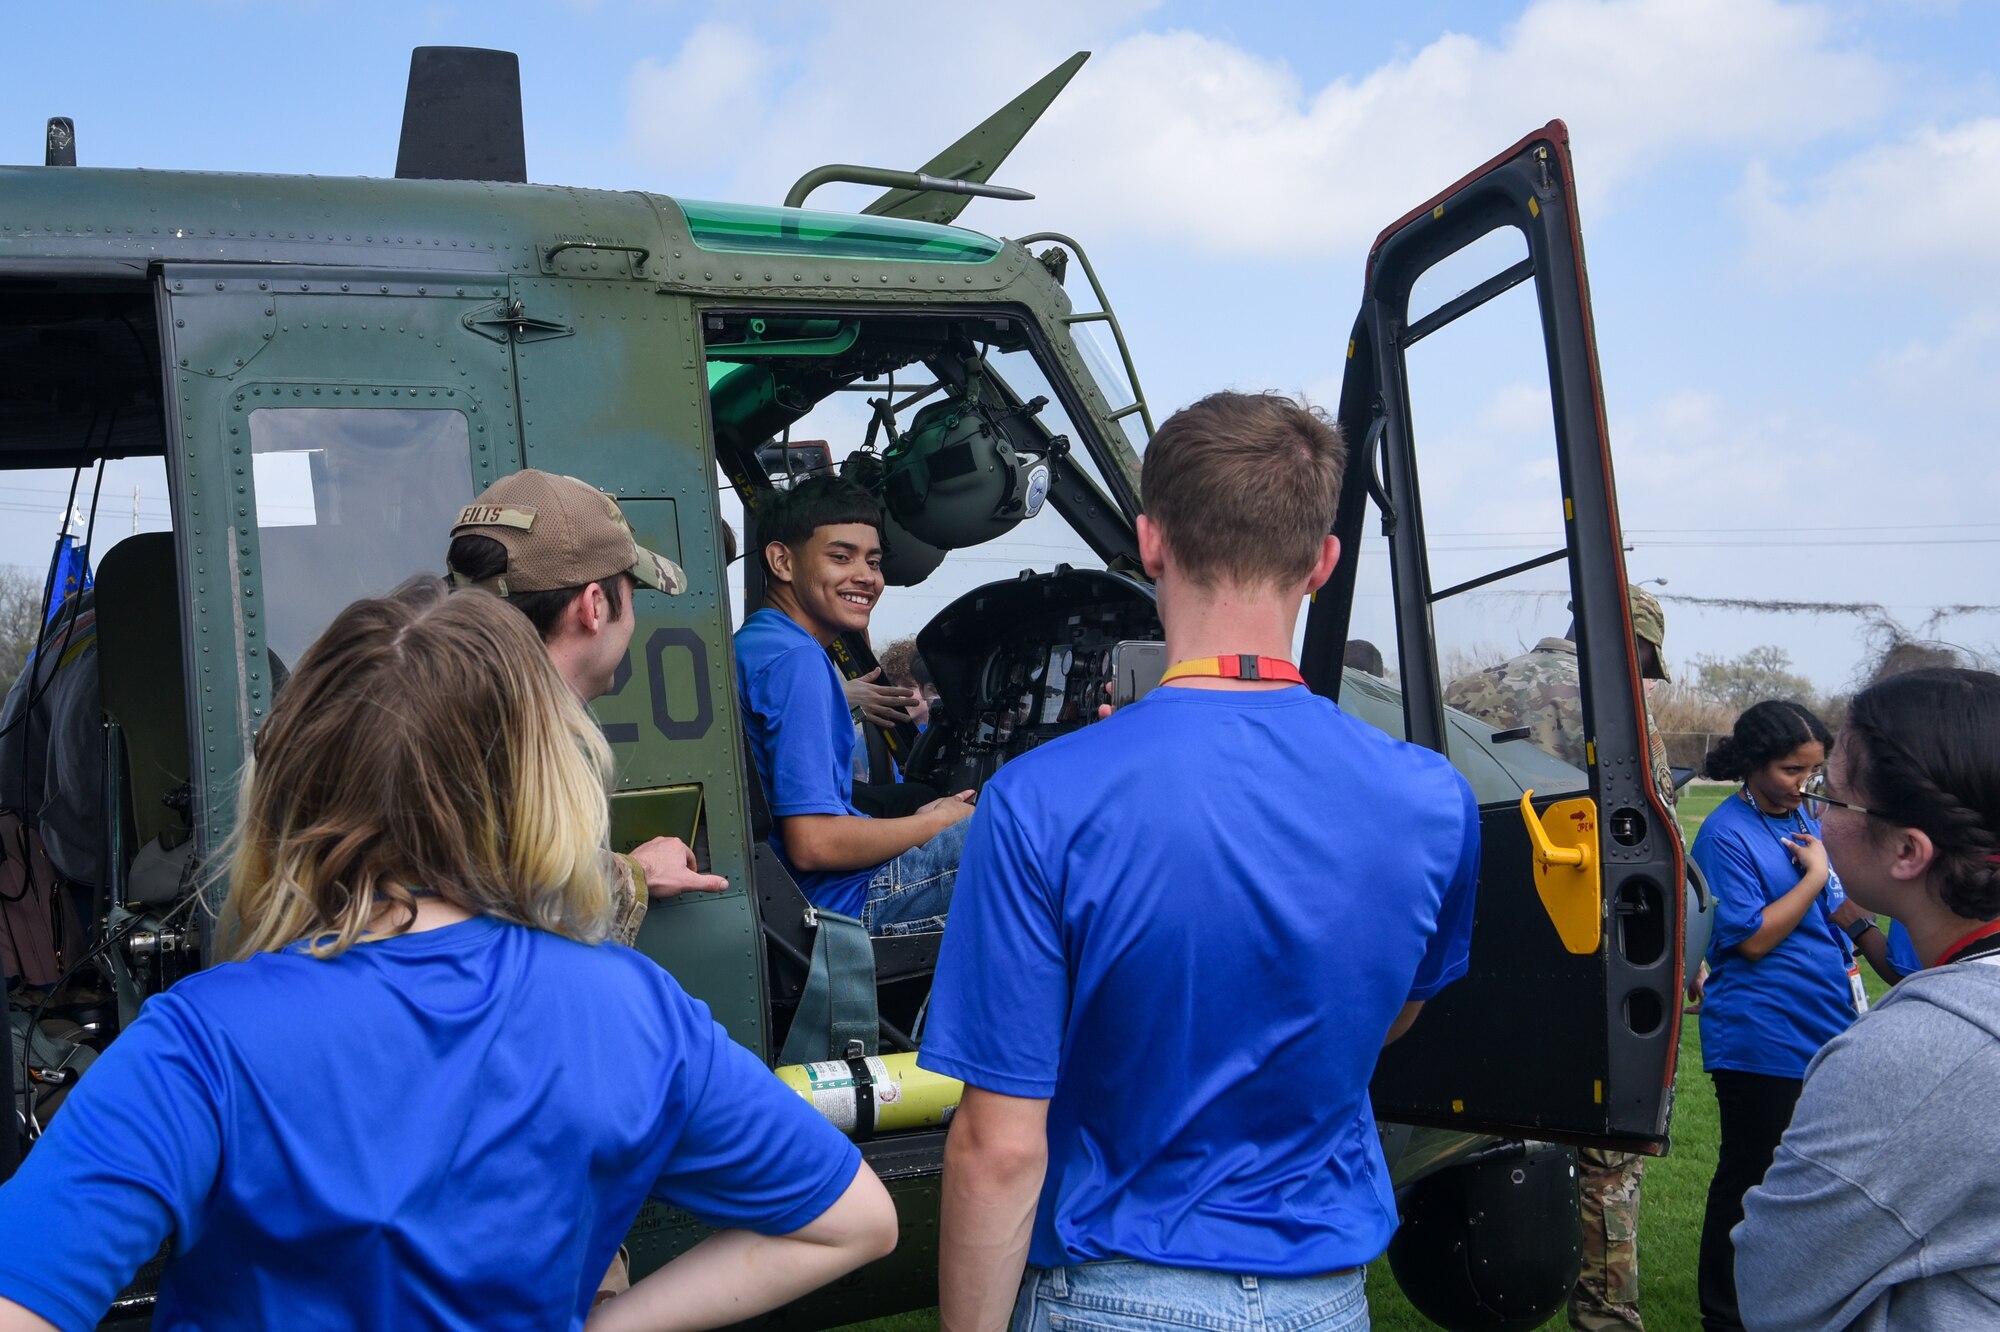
<point x="424" y="743"/>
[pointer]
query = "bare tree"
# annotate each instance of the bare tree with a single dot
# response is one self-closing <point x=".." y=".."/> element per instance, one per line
<point x="20" y="619"/>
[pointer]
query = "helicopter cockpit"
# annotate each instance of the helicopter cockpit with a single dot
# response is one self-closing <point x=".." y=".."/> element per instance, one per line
<point x="1008" y="540"/>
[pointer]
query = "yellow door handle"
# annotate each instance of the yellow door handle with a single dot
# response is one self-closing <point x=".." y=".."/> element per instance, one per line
<point x="1546" y="852"/>
<point x="1568" y="879"/>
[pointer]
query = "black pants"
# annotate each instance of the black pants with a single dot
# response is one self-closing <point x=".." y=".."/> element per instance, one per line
<point x="1755" y="1110"/>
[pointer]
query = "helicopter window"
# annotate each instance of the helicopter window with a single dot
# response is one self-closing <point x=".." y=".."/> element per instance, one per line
<point x="1496" y="543"/>
<point x="1100" y="353"/>
<point x="803" y="388"/>
<point x="350" y="502"/>
<point x="1024" y="375"/>
<point x="745" y="229"/>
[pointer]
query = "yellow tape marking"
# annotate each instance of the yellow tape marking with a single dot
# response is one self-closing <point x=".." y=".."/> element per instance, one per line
<point x="1458" y="1107"/>
<point x="1569" y="509"/>
<point x="1438" y="211"/>
<point x="1534" y="209"/>
<point x="1597" y="1091"/>
<point x="1590" y="752"/>
<point x="1350" y="349"/>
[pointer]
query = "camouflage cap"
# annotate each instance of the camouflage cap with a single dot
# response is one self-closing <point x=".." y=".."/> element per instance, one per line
<point x="559" y="532"/>
<point x="1649" y="625"/>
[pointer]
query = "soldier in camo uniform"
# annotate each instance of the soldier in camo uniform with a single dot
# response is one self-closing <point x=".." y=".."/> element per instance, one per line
<point x="1542" y="690"/>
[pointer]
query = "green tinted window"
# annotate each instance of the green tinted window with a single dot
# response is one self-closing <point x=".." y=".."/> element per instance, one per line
<point x="745" y="229"/>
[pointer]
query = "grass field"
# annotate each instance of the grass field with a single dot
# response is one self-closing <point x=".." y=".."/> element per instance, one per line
<point x="1675" y="1190"/>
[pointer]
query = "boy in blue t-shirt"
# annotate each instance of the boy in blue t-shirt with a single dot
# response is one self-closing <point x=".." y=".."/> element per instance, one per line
<point x="822" y="577"/>
<point x="1183" y="935"/>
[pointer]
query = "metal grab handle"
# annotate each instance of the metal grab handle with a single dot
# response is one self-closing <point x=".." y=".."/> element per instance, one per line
<point x="1547" y="852"/>
<point x="921" y="181"/>
<point x="549" y="255"/>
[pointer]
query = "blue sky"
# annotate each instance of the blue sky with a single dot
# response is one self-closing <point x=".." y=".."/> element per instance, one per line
<point x="1788" y="208"/>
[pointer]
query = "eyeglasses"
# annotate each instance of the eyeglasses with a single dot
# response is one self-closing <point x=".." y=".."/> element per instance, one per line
<point x="1816" y="798"/>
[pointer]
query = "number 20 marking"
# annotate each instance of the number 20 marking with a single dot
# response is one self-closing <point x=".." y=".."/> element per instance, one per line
<point x="673" y="728"/>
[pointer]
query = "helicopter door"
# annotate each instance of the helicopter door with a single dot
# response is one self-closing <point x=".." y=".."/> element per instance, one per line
<point x="326" y="426"/>
<point x="1479" y="520"/>
<point x="612" y="391"/>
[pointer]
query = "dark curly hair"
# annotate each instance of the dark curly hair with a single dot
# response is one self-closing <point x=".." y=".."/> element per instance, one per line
<point x="1924" y="752"/>
<point x="1766" y="731"/>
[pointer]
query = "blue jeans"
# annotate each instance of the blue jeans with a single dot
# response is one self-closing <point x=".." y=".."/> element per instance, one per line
<point x="1126" y="1296"/>
<point x="910" y="894"/>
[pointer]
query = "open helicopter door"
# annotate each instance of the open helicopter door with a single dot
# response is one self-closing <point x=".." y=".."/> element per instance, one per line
<point x="1478" y="517"/>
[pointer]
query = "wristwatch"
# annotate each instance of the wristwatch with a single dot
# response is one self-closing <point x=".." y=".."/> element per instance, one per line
<point x="1861" y="927"/>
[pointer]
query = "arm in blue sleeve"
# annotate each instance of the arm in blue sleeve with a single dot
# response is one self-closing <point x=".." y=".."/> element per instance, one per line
<point x="1450" y="949"/>
<point x="798" y="702"/>
<point x="128" y="1160"/>
<point x="1000" y="1002"/>
<point x="751" y="1154"/>
<point x="1738" y="891"/>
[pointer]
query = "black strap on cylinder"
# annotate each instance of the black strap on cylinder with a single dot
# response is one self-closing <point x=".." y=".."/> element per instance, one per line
<point x="864" y="1098"/>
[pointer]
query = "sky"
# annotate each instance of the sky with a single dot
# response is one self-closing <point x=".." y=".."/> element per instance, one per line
<point x="1788" y="212"/>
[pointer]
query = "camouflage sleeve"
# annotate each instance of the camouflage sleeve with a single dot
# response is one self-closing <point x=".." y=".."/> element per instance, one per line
<point x="1663" y="773"/>
<point x="628" y="897"/>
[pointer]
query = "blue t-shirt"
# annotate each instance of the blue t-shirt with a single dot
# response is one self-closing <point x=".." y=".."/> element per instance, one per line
<point x="1903" y="950"/>
<point x="1770" y="1016"/>
<point x="1189" y="926"/>
<point x="451" y="1129"/>
<point x="803" y="737"/>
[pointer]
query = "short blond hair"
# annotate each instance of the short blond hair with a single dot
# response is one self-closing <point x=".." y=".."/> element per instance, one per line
<point x="424" y="744"/>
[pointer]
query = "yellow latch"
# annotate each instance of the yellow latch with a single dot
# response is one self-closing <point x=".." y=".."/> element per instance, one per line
<point x="1568" y="878"/>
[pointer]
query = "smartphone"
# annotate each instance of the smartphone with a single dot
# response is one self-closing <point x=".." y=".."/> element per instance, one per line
<point x="1136" y="666"/>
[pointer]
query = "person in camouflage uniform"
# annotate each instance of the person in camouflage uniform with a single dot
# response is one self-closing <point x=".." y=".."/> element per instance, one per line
<point x="1542" y="690"/>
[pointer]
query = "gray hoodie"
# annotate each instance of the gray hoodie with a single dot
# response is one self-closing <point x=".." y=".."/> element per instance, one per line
<point x="1882" y="1207"/>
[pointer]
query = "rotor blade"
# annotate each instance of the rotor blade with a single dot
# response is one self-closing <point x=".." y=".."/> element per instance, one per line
<point x="979" y="154"/>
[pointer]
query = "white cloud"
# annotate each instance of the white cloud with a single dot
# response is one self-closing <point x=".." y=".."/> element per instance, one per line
<point x="697" y="110"/>
<point x="1181" y="136"/>
<point x="1924" y="206"/>
<point x="884" y="84"/>
<point x="1201" y="140"/>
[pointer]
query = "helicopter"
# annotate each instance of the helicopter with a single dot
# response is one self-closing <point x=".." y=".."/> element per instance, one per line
<point x="328" y="369"/>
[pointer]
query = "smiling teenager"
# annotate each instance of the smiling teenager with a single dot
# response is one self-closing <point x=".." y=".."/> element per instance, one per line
<point x="822" y="577"/>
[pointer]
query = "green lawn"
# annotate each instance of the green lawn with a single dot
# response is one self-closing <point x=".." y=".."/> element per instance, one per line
<point x="1675" y="1191"/>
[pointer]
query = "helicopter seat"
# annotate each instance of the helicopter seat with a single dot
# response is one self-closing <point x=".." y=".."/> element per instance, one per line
<point x="904" y="964"/>
<point x="143" y="691"/>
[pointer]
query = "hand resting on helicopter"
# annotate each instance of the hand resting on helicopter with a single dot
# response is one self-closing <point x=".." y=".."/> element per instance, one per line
<point x="671" y="869"/>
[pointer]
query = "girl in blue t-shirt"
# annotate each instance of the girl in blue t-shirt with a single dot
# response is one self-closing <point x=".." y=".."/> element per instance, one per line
<point x="424" y="1092"/>
<point x="1779" y="983"/>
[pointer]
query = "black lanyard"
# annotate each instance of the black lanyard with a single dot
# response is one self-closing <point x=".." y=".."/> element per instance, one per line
<point x="1826" y="912"/>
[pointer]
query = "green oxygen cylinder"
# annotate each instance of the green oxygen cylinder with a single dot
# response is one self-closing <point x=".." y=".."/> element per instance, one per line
<point x="875" y="1094"/>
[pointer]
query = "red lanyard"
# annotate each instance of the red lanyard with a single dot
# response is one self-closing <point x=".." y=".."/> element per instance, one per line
<point x="1236" y="666"/>
<point x="1966" y="941"/>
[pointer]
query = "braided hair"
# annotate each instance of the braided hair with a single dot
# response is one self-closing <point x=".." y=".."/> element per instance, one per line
<point x="1924" y="752"/>
<point x="1765" y="731"/>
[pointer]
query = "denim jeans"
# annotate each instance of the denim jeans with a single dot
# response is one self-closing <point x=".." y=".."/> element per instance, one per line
<point x="1126" y="1296"/>
<point x="910" y="894"/>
